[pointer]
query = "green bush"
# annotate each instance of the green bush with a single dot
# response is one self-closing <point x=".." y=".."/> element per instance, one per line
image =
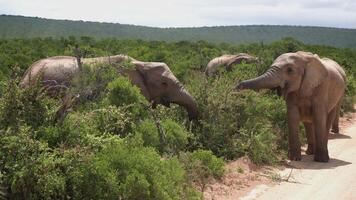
<point x="29" y="167"/>
<point x="260" y="142"/>
<point x="202" y="166"/>
<point x="84" y="128"/>
<point x="92" y="81"/>
<point x="108" y="146"/>
<point x="29" y="106"/>
<point x="173" y="140"/>
<point x="143" y="174"/>
<point x="121" y="92"/>
<point x="176" y="136"/>
<point x="147" y="131"/>
<point x="87" y="177"/>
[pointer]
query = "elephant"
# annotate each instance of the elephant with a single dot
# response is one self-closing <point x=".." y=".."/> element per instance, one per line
<point x="154" y="79"/>
<point x="228" y="61"/>
<point x="313" y="89"/>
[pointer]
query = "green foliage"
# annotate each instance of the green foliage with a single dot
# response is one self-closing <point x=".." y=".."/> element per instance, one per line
<point x="176" y="136"/>
<point x="14" y="26"/>
<point x="173" y="140"/>
<point x="27" y="106"/>
<point x="109" y="145"/>
<point x="89" y="128"/>
<point x="92" y="81"/>
<point x="143" y="174"/>
<point x="147" y="131"/>
<point x="260" y="142"/>
<point x="202" y="166"/>
<point x="30" y="168"/>
<point x="121" y="92"/>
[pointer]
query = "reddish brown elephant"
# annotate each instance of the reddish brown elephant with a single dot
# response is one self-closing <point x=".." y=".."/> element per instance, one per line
<point x="313" y="88"/>
<point x="155" y="80"/>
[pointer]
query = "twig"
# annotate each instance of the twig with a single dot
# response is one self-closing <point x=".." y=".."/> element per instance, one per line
<point x="78" y="55"/>
<point x="162" y="135"/>
<point x="65" y="108"/>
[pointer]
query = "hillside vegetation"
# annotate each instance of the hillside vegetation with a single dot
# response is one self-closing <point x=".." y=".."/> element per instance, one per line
<point x="30" y="27"/>
<point x="109" y="146"/>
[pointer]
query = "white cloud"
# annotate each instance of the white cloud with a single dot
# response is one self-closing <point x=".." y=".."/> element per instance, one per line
<point x="168" y="13"/>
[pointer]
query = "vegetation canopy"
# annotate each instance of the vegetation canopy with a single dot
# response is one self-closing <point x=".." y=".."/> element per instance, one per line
<point x="111" y="145"/>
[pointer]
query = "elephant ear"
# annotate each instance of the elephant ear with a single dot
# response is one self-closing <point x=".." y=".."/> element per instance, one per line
<point x="141" y="68"/>
<point x="315" y="73"/>
<point x="137" y="78"/>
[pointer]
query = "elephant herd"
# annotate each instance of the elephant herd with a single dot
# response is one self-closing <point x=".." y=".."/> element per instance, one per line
<point x="312" y="87"/>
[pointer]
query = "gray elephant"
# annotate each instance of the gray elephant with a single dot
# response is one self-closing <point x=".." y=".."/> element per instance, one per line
<point x="155" y="80"/>
<point x="313" y="88"/>
<point x="227" y="61"/>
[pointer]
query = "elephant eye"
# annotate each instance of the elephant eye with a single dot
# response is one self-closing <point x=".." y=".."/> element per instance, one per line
<point x="164" y="83"/>
<point x="289" y="70"/>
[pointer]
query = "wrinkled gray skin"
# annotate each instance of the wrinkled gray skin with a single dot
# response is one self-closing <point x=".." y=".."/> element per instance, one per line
<point x="227" y="61"/>
<point x="155" y="80"/>
<point x="313" y="88"/>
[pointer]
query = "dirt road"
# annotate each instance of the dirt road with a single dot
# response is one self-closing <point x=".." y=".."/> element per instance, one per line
<point x="312" y="180"/>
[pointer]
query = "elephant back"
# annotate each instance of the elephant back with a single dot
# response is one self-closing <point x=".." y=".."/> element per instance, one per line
<point x="50" y="71"/>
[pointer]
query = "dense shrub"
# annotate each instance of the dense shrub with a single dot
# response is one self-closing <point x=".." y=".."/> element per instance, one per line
<point x="173" y="139"/>
<point x="143" y="174"/>
<point x="91" y="82"/>
<point x="29" y="167"/>
<point x="122" y="93"/>
<point x="111" y="145"/>
<point x="28" y="106"/>
<point x="202" y="166"/>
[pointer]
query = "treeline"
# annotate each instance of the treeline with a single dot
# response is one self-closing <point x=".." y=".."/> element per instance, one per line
<point x="30" y="27"/>
<point x="109" y="145"/>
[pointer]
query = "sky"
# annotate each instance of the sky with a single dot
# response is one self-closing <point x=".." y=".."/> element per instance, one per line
<point x="192" y="13"/>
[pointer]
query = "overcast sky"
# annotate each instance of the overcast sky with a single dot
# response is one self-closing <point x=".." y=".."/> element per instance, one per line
<point x="183" y="13"/>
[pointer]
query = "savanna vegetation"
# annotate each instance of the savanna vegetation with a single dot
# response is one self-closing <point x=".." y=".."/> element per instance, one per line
<point x="111" y="145"/>
<point x="30" y="27"/>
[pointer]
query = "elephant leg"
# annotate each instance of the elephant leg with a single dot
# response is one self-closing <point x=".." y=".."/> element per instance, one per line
<point x="335" y="124"/>
<point x="293" y="126"/>
<point x="321" y="133"/>
<point x="331" y="118"/>
<point x="309" y="129"/>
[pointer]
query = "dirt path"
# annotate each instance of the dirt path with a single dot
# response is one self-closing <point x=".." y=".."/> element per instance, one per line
<point x="312" y="180"/>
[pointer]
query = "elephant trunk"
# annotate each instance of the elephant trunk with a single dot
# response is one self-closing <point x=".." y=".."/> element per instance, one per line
<point x="268" y="80"/>
<point x="186" y="100"/>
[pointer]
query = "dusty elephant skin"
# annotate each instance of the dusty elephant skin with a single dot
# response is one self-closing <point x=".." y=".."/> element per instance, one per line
<point x="227" y="61"/>
<point x="313" y="88"/>
<point x="155" y="80"/>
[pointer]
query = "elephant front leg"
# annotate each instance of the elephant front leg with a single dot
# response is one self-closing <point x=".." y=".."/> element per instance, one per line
<point x="293" y="125"/>
<point x="321" y="134"/>
<point x="309" y="129"/>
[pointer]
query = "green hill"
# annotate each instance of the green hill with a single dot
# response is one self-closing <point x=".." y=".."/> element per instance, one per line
<point x="29" y="27"/>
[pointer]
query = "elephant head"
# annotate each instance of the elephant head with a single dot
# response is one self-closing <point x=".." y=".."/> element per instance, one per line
<point x="160" y="86"/>
<point x="228" y="61"/>
<point x="290" y="72"/>
<point x="155" y="80"/>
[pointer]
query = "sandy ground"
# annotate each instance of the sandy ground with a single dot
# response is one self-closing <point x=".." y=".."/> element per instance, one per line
<point x="241" y="177"/>
<point x="300" y="180"/>
<point x="313" y="180"/>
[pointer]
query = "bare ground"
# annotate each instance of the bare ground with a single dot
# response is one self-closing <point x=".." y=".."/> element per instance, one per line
<point x="305" y="179"/>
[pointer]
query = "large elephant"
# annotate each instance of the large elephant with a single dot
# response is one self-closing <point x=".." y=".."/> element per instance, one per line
<point x="155" y="80"/>
<point x="313" y="88"/>
<point x="227" y="61"/>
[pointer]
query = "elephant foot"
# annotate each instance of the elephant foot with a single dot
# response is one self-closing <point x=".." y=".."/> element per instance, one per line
<point x="295" y="156"/>
<point x="321" y="156"/>
<point x="310" y="150"/>
<point x="335" y="130"/>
